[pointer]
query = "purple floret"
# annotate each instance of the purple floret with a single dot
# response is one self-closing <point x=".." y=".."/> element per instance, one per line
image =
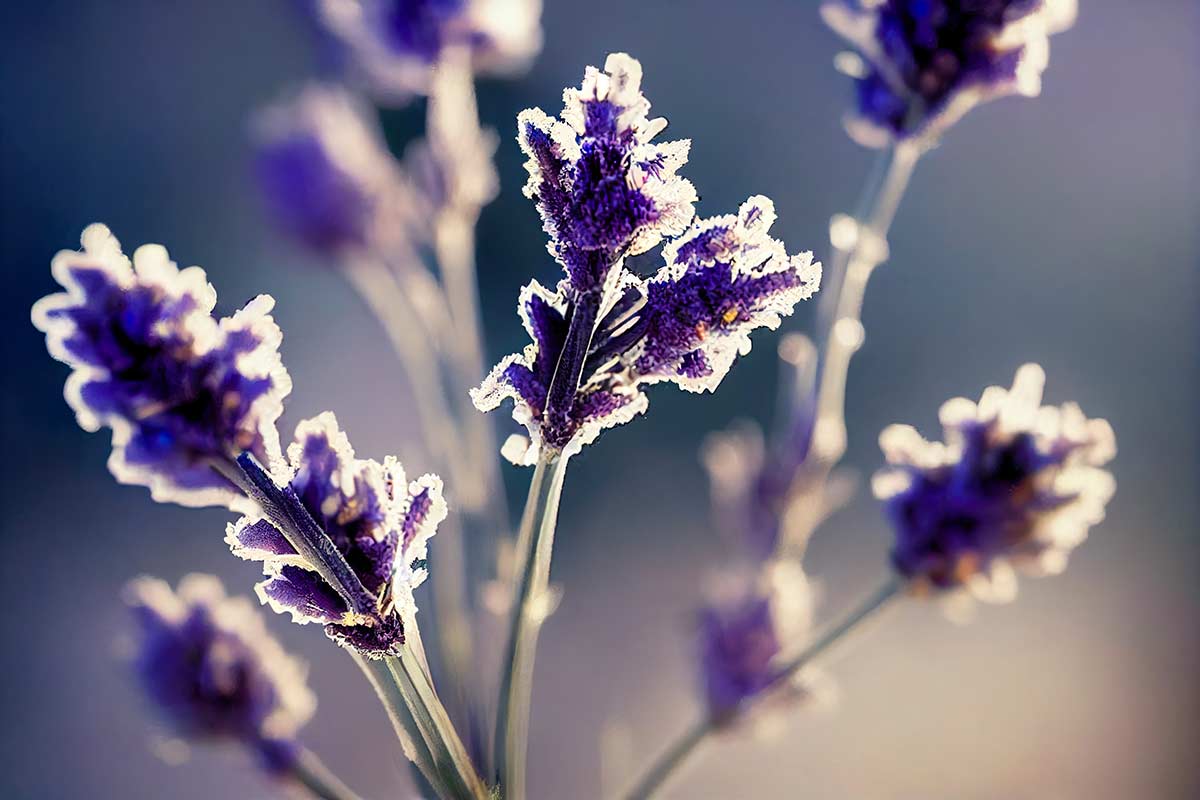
<point x="738" y="644"/>
<point x="181" y="390"/>
<point x="209" y="668"/>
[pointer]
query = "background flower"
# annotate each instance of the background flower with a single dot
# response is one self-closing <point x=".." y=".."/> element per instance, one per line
<point x="212" y="671"/>
<point x="1014" y="483"/>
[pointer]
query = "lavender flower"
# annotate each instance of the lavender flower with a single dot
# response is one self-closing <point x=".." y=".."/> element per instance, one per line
<point x="378" y="523"/>
<point x="605" y="191"/>
<point x="751" y="619"/>
<point x="209" y="666"/>
<point x="180" y="389"/>
<point x="931" y="61"/>
<point x="1014" y="484"/>
<point x="325" y="173"/>
<point x="391" y="45"/>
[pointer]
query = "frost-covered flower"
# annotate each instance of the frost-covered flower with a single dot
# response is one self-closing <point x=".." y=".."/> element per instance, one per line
<point x="324" y="171"/>
<point x="210" y="668"/>
<point x="723" y="279"/>
<point x="1014" y="484"/>
<point x="931" y="61"/>
<point x="393" y="45"/>
<point x="603" y="188"/>
<point x="378" y="524"/>
<point x="750" y="621"/>
<point x="180" y="389"/>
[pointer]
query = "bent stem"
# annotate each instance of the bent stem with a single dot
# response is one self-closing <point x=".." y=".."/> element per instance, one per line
<point x="535" y="544"/>
<point x="318" y="780"/>
<point x="668" y="764"/>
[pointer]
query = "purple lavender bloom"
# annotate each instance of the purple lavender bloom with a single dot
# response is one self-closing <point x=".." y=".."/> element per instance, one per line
<point x="378" y="523"/>
<point x="180" y="389"/>
<point x="213" y="672"/>
<point x="325" y="174"/>
<point x="750" y="621"/>
<point x="1014" y="484"/>
<point x="931" y="61"/>
<point x="724" y="278"/>
<point x="603" y="188"/>
<point x="392" y="45"/>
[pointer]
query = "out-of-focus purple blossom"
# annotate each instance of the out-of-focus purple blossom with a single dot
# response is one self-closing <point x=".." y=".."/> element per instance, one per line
<point x="213" y="672"/>
<point x="378" y="522"/>
<point x="756" y="480"/>
<point x="1013" y="484"/>
<point x="931" y="61"/>
<point x="392" y="46"/>
<point x="724" y="278"/>
<point x="180" y="389"/>
<point x="325" y="173"/>
<point x="752" y="618"/>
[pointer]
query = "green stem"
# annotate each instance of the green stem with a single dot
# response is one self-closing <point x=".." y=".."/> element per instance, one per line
<point x="311" y="773"/>
<point x="422" y="725"/>
<point x="535" y="544"/>
<point x="667" y="765"/>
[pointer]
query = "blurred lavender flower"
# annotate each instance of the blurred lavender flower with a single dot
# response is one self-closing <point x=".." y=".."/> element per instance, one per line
<point x="377" y="521"/>
<point x="752" y="618"/>
<point x="1014" y="484"/>
<point x="605" y="191"/>
<point x="325" y="173"/>
<point x="180" y="389"/>
<point x="209" y="666"/>
<point x="930" y="61"/>
<point x="392" y="45"/>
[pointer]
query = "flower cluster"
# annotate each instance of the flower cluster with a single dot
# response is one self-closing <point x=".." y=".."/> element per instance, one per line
<point x="182" y="391"/>
<point x="391" y="45"/>
<point x="369" y="520"/>
<point x="1014" y="484"/>
<point x="325" y="173"/>
<point x="751" y="619"/>
<point x="931" y="61"/>
<point x="208" y="665"/>
<point x="605" y="191"/>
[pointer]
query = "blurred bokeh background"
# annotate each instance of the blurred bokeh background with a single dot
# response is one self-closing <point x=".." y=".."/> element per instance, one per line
<point x="1062" y="230"/>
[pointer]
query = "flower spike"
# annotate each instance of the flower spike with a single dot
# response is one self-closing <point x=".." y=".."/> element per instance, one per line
<point x="356" y="570"/>
<point x="1014" y="484"/>
<point x="209" y="666"/>
<point x="930" y="62"/>
<point x="181" y="390"/>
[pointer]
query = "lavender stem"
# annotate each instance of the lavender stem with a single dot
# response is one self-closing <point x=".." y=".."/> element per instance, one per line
<point x="669" y="763"/>
<point x="535" y="543"/>
<point x="311" y="773"/>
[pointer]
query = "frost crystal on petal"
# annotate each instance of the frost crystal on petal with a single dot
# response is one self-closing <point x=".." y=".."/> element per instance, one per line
<point x="379" y="522"/>
<point x="1014" y="484"/>
<point x="392" y="45"/>
<point x="210" y="668"/>
<point x="179" y="388"/>
<point x="928" y="63"/>
<point x="723" y="278"/>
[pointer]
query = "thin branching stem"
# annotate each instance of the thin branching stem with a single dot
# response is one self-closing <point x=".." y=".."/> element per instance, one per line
<point x="668" y="764"/>
<point x="318" y="780"/>
<point x="530" y="605"/>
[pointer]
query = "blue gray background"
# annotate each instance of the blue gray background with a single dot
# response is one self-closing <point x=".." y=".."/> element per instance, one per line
<point x="1061" y="230"/>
